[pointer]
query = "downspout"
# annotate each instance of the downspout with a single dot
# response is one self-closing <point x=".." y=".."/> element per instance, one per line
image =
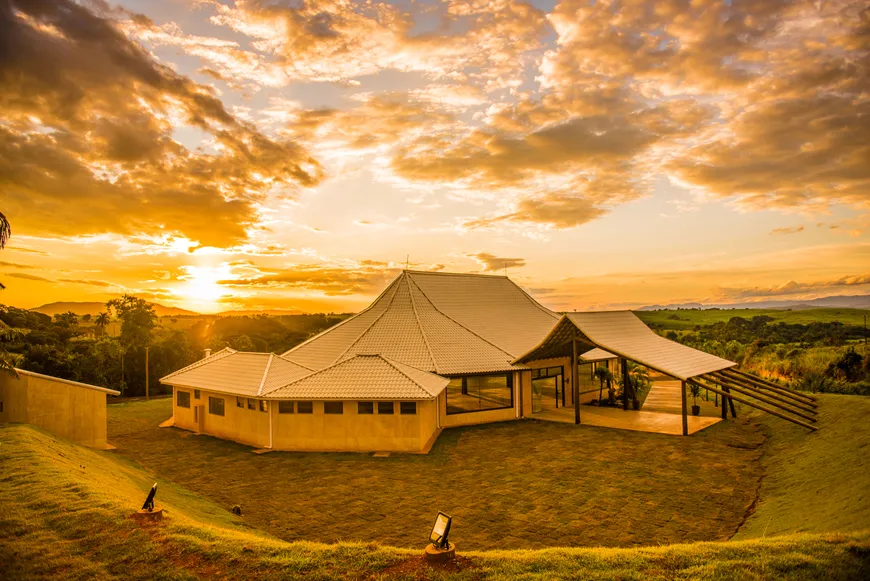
<point x="271" y="411"/>
<point x="518" y="376"/>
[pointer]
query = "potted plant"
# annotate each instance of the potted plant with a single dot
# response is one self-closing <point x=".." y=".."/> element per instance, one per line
<point x="696" y="391"/>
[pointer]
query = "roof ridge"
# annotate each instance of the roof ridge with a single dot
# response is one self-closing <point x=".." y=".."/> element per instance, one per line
<point x="225" y="352"/>
<point x="265" y="374"/>
<point x="392" y="364"/>
<point x="298" y="379"/>
<point x="378" y="318"/>
<point x="435" y="272"/>
<point x="281" y="356"/>
<point x="340" y="323"/>
<point x="420" y="325"/>
<point x="533" y="301"/>
<point x="460" y="324"/>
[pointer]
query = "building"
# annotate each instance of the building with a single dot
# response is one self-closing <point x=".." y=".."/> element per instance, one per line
<point x="433" y="351"/>
<point x="72" y="410"/>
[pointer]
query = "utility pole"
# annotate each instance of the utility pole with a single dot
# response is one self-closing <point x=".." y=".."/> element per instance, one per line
<point x="146" y="373"/>
<point x="865" y="337"/>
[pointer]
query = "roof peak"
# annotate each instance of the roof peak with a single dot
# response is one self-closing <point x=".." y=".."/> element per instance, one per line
<point x="442" y="273"/>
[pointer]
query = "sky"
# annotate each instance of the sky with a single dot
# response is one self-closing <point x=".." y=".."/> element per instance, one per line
<point x="296" y="156"/>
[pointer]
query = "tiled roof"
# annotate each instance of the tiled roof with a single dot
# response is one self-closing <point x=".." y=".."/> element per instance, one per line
<point x="364" y="377"/>
<point x="438" y="322"/>
<point x="622" y="333"/>
<point x="237" y="372"/>
<point x="597" y="355"/>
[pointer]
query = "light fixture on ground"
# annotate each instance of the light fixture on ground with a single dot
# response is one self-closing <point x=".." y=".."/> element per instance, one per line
<point x="440" y="549"/>
<point x="148" y="512"/>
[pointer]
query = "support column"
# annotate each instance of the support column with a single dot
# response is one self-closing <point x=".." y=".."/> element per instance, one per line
<point x="575" y="379"/>
<point x="685" y="415"/>
<point x="625" y="381"/>
<point x="730" y="403"/>
<point x="724" y="409"/>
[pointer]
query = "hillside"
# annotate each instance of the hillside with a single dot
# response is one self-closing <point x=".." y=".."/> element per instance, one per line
<point x="687" y="319"/>
<point x="66" y="517"/>
<point x="92" y="308"/>
<point x="844" y="301"/>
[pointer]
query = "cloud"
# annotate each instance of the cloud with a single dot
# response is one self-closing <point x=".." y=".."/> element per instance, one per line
<point x="793" y="288"/>
<point x="792" y="230"/>
<point x="15" y="265"/>
<point x="365" y="277"/>
<point x="100" y="283"/>
<point x="86" y="140"/>
<point x="496" y="263"/>
<point x="25" y="276"/>
<point x="554" y="210"/>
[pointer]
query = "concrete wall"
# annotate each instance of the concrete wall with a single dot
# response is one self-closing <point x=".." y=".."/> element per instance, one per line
<point x="71" y="410"/>
<point x="241" y="425"/>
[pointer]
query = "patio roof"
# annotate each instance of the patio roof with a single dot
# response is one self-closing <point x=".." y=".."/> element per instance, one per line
<point x="623" y="334"/>
<point x="597" y="355"/>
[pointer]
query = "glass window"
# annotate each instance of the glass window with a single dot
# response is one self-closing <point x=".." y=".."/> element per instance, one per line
<point x="408" y="408"/>
<point x="264" y="405"/>
<point x="240" y="402"/>
<point x="285" y="407"/>
<point x="216" y="406"/>
<point x="365" y="407"/>
<point x="195" y="394"/>
<point x="476" y="393"/>
<point x="305" y="407"/>
<point x="252" y="404"/>
<point x="385" y="407"/>
<point x="333" y="407"/>
<point x="182" y="399"/>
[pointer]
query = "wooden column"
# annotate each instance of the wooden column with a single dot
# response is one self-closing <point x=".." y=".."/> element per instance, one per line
<point x="685" y="414"/>
<point x="724" y="409"/>
<point x="625" y="381"/>
<point x="730" y="402"/>
<point x="575" y="378"/>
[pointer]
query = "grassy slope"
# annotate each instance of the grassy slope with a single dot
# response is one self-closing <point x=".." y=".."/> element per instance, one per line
<point x="689" y="318"/>
<point x="816" y="482"/>
<point x="63" y="514"/>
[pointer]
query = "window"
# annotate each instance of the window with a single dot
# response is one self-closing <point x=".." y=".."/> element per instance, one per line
<point x="305" y="407"/>
<point x="475" y="393"/>
<point x="240" y="402"/>
<point x="385" y="407"/>
<point x="408" y="408"/>
<point x="285" y="407"/>
<point x="182" y="399"/>
<point x="333" y="407"/>
<point x="216" y="406"/>
<point x="365" y="407"/>
<point x="195" y="394"/>
<point x="252" y="404"/>
<point x="264" y="405"/>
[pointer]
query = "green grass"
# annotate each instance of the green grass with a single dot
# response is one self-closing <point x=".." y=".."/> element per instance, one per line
<point x="65" y="516"/>
<point x="689" y="318"/>
<point x="816" y="482"/>
<point x="514" y="485"/>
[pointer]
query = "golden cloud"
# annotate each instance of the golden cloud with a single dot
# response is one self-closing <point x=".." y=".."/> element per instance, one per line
<point x="492" y="262"/>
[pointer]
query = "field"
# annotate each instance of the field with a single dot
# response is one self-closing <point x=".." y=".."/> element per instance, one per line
<point x="687" y="319"/>
<point x="499" y="481"/>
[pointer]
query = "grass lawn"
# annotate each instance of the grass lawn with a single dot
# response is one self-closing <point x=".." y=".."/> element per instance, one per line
<point x="816" y="482"/>
<point x="524" y="484"/>
<point x="65" y="515"/>
<point x="689" y="318"/>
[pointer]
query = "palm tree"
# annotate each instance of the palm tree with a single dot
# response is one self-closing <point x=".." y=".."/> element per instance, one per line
<point x="101" y="321"/>
<point x="7" y="333"/>
<point x="604" y="375"/>
<point x="5" y="234"/>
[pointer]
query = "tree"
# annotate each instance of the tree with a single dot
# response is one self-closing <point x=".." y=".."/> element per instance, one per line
<point x="8" y="361"/>
<point x="86" y="317"/>
<point x="604" y="375"/>
<point x="138" y="320"/>
<point x="101" y="321"/>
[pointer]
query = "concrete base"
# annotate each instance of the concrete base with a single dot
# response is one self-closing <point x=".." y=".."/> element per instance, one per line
<point x="149" y="516"/>
<point x="434" y="554"/>
<point x="168" y="423"/>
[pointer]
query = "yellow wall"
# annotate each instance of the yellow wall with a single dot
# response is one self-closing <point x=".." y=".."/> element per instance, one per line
<point x="72" y="411"/>
<point x="241" y="425"/>
<point x="352" y="432"/>
<point x="484" y="417"/>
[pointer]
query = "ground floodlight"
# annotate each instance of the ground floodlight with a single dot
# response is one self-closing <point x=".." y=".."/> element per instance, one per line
<point x="440" y="530"/>
<point x="149" y="502"/>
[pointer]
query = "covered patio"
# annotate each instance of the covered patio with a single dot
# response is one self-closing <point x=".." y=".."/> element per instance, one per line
<point x="683" y="368"/>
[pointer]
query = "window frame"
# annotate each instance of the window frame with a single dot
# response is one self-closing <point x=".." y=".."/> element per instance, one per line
<point x="371" y="408"/>
<point x="283" y="404"/>
<point x="196" y="394"/>
<point x="510" y="386"/>
<point x="240" y="402"/>
<point x="264" y="405"/>
<point x="178" y="394"/>
<point x="404" y="404"/>
<point x="392" y="405"/>
<point x="309" y="407"/>
<point x="333" y="408"/>
<point x="223" y="406"/>
<point x="252" y="404"/>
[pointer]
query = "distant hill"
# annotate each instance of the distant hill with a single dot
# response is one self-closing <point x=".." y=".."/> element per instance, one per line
<point x="254" y="313"/>
<point x="92" y="308"/>
<point x="848" y="302"/>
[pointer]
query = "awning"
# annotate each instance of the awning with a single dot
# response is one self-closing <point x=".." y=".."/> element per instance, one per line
<point x="623" y="334"/>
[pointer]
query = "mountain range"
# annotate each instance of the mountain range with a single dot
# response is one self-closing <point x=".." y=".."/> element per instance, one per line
<point x="847" y="302"/>
<point x="93" y="308"/>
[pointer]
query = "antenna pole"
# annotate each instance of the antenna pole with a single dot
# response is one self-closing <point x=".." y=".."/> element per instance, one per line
<point x="407" y="261"/>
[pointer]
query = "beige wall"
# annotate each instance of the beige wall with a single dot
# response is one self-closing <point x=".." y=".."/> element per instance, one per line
<point x="241" y="425"/>
<point x="346" y="432"/>
<point x="71" y="410"/>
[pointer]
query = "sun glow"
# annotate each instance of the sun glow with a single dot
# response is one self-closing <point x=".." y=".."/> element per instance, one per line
<point x="202" y="290"/>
